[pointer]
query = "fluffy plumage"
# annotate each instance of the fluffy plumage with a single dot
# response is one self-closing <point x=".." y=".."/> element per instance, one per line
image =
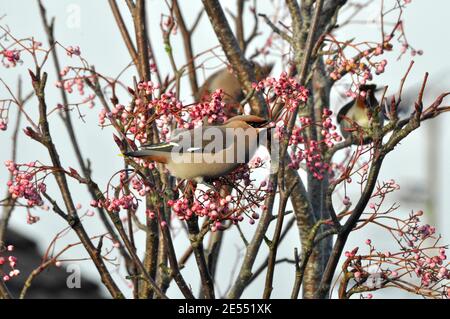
<point x="207" y="151"/>
<point x="355" y="117"/>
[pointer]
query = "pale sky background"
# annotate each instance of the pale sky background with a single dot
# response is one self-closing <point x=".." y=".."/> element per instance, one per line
<point x="98" y="37"/>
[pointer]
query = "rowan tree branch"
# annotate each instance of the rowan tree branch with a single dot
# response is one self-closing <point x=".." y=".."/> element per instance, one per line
<point x="123" y="31"/>
<point x="4" y="292"/>
<point x="10" y="202"/>
<point x="197" y="247"/>
<point x="39" y="81"/>
<point x="188" y="49"/>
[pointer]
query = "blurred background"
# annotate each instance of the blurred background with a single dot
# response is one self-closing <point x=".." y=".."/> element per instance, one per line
<point x="420" y="164"/>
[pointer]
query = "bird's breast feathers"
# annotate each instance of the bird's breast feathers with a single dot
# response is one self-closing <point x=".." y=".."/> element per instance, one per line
<point x="359" y="116"/>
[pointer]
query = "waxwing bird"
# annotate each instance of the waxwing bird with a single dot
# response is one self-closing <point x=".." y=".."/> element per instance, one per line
<point x="356" y="116"/>
<point x="207" y="152"/>
<point x="229" y="83"/>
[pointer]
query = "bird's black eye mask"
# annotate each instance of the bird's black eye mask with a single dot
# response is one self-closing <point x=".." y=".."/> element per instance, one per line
<point x="368" y="87"/>
<point x="370" y="98"/>
<point x="257" y="124"/>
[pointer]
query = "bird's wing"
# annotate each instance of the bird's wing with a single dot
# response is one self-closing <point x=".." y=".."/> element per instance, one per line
<point x="161" y="147"/>
<point x="344" y="110"/>
<point x="372" y="101"/>
<point x="211" y="138"/>
<point x="204" y="139"/>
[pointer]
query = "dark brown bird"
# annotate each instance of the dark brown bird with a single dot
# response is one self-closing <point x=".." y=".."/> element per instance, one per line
<point x="355" y="117"/>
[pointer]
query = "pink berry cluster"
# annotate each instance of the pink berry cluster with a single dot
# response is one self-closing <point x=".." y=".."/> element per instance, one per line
<point x="339" y="64"/>
<point x="413" y="232"/>
<point x="286" y="88"/>
<point x="352" y="253"/>
<point x="361" y="59"/>
<point x="69" y="83"/>
<point x="10" y="58"/>
<point x="213" y="206"/>
<point x="311" y="151"/>
<point x="3" y="125"/>
<point x="355" y="93"/>
<point x="23" y="184"/>
<point x="328" y="129"/>
<point x="217" y="207"/>
<point x="167" y="110"/>
<point x="419" y="257"/>
<point x="291" y="94"/>
<point x="209" y="205"/>
<point x="212" y="109"/>
<point x="75" y="83"/>
<point x="73" y="50"/>
<point x="9" y="261"/>
<point x="164" y="110"/>
<point x="122" y="200"/>
<point x="149" y="88"/>
<point x="104" y="113"/>
<point x="139" y="186"/>
<point x="115" y="204"/>
<point x="430" y="268"/>
<point x="136" y="118"/>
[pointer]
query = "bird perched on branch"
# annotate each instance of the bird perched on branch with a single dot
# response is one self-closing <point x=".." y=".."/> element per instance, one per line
<point x="207" y="152"/>
<point x="229" y="83"/>
<point x="356" y="116"/>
